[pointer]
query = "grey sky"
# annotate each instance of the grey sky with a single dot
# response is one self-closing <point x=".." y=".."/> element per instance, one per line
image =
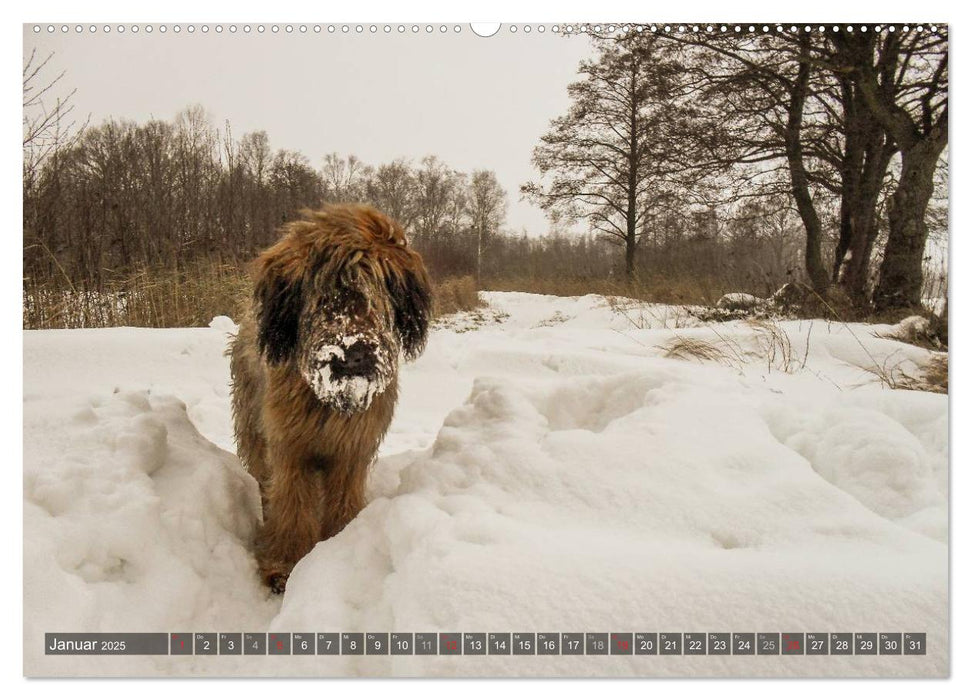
<point x="474" y="102"/>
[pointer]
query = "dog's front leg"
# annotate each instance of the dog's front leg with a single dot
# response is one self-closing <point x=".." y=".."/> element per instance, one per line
<point x="344" y="483"/>
<point x="291" y="525"/>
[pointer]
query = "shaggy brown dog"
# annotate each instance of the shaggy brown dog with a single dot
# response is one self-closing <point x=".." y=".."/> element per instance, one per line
<point x="315" y="371"/>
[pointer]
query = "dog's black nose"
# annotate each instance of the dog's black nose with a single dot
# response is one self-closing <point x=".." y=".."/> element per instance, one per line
<point x="359" y="361"/>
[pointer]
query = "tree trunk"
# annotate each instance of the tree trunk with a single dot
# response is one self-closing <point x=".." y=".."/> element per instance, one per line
<point x="921" y="145"/>
<point x="630" y="250"/>
<point x="630" y="240"/>
<point x="815" y="269"/>
<point x="858" y="220"/>
<point x="854" y="263"/>
<point x="478" y="255"/>
<point x="902" y="271"/>
<point x="867" y="153"/>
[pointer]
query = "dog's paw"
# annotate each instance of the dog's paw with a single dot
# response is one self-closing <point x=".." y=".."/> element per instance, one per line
<point x="277" y="582"/>
<point x="275" y="578"/>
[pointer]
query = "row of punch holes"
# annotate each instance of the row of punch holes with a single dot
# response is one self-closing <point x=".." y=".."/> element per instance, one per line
<point x="479" y="30"/>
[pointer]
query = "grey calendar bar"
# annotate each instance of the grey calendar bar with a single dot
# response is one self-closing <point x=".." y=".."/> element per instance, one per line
<point x="649" y="644"/>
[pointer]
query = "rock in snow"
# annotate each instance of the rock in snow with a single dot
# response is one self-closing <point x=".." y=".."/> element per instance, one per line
<point x="739" y="301"/>
<point x="912" y="329"/>
<point x="537" y="477"/>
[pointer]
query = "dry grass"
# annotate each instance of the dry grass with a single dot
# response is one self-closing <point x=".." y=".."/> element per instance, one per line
<point x="932" y="377"/>
<point x="773" y="348"/>
<point x="696" y="349"/>
<point x="177" y="299"/>
<point x="454" y="294"/>
<point x="936" y="373"/>
<point x="153" y="299"/>
<point x="645" y="315"/>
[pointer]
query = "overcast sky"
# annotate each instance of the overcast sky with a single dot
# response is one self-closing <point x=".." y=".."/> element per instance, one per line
<point x="474" y="102"/>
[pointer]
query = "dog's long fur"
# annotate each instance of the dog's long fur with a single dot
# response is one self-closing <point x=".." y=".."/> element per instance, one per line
<point x="344" y="274"/>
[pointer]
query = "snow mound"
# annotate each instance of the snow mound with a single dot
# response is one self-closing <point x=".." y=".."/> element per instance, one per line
<point x="882" y="448"/>
<point x="556" y="471"/>
<point x="223" y="323"/>
<point x="651" y="499"/>
<point x="132" y="520"/>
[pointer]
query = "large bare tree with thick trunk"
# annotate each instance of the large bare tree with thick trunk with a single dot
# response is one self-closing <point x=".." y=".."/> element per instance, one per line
<point x="784" y="120"/>
<point x="862" y="174"/>
<point x="914" y="114"/>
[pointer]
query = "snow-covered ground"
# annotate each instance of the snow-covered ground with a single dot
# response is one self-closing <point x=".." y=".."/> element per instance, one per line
<point x="555" y="464"/>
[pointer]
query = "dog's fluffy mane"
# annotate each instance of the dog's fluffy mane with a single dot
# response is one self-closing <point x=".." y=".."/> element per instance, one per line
<point x="344" y="247"/>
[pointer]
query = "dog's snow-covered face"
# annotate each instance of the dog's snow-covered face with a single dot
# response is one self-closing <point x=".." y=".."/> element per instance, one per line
<point x="339" y="299"/>
<point x="350" y="373"/>
<point x="347" y="355"/>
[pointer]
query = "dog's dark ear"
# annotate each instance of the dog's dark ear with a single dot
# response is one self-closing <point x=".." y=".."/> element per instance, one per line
<point x="412" y="300"/>
<point x="279" y="303"/>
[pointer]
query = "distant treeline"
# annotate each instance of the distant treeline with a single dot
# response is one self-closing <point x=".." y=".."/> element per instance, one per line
<point x="125" y="197"/>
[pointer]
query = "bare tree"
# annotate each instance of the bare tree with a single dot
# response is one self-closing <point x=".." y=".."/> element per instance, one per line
<point x="605" y="161"/>
<point x="392" y="188"/>
<point x="47" y="122"/>
<point x="915" y="115"/>
<point x="813" y="102"/>
<point x="435" y="187"/>
<point x="757" y="111"/>
<point x="457" y="211"/>
<point x="162" y="195"/>
<point x="255" y="154"/>
<point x="487" y="209"/>
<point x="48" y="129"/>
<point x="344" y="178"/>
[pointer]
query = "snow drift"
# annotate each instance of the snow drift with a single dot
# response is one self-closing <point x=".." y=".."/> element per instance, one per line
<point x="551" y="467"/>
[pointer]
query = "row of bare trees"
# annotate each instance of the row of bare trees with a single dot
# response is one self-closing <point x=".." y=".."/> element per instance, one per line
<point x="123" y="196"/>
<point x="693" y="258"/>
<point x="450" y="214"/>
<point x="850" y="127"/>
